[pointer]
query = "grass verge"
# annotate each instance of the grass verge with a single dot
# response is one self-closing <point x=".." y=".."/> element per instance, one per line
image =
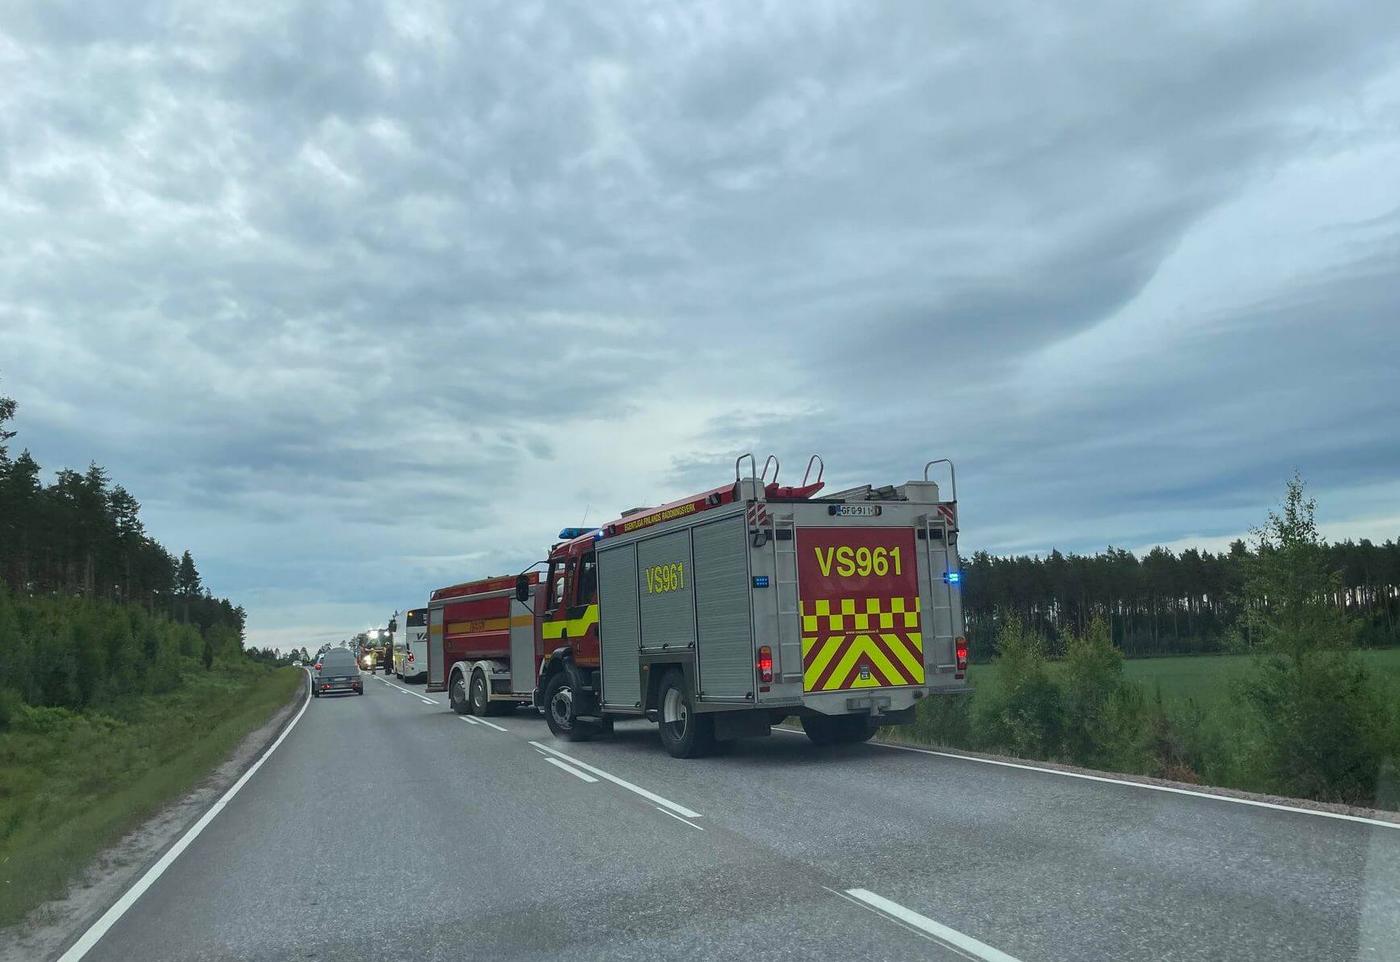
<point x="1201" y="731"/>
<point x="73" y="783"/>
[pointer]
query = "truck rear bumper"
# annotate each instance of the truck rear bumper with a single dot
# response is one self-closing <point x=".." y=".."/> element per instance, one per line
<point x="861" y="701"/>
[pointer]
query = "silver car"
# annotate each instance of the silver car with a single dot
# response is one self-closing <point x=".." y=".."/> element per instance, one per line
<point x="336" y="673"/>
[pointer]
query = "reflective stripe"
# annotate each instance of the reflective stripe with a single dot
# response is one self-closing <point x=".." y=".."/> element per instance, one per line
<point x="844" y="647"/>
<point x="576" y="627"/>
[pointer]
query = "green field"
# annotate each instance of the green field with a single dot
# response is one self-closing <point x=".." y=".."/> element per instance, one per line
<point x="72" y="783"/>
<point x="1206" y="679"/>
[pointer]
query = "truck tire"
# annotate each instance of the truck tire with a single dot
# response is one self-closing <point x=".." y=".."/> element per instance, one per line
<point x="561" y="709"/>
<point x="480" y="702"/>
<point x="457" y="694"/>
<point x="314" y="692"/>
<point x="837" y="729"/>
<point x="685" y="732"/>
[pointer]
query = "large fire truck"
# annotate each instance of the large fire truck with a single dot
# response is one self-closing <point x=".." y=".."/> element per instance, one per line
<point x="484" y="646"/>
<point x="717" y="615"/>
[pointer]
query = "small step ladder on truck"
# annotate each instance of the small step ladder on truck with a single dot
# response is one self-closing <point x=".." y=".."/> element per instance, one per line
<point x="717" y="615"/>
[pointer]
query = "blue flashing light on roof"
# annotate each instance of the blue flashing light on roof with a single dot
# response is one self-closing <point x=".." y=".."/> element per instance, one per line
<point x="569" y="534"/>
<point x="953" y="577"/>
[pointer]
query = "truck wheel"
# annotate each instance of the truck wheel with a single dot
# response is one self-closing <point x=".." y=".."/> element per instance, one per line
<point x="561" y="709"/>
<point x="457" y="694"/>
<point x="480" y="703"/>
<point x="685" y="732"/>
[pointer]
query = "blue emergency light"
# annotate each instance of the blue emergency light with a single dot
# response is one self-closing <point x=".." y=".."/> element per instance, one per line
<point x="569" y="534"/>
<point x="952" y="577"/>
<point x="760" y="581"/>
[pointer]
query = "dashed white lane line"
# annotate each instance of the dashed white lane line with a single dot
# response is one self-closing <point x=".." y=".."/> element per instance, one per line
<point x="483" y="721"/>
<point x="652" y="797"/>
<point x="426" y="701"/>
<point x="952" y="938"/>
<point x="583" y="776"/>
<point x="675" y="816"/>
<point x="469" y="719"/>
<point x="109" y="918"/>
<point x="1128" y="783"/>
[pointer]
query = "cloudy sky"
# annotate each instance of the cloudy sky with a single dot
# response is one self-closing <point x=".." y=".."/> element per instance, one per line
<point x="361" y="299"/>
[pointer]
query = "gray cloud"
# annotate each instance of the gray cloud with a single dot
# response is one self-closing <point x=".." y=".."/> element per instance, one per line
<point x="364" y="298"/>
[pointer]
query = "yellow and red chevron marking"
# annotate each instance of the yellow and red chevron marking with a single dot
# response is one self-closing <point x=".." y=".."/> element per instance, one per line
<point x="861" y="643"/>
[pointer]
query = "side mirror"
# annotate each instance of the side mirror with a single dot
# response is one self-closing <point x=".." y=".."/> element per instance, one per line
<point x="393" y="625"/>
<point x="522" y="589"/>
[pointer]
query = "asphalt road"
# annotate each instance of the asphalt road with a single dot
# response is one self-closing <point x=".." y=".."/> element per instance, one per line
<point x="386" y="827"/>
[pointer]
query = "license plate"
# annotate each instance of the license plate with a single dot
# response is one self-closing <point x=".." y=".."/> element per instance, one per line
<point x="856" y="510"/>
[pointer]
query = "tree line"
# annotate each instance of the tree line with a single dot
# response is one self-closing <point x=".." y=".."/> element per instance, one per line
<point x="82" y="536"/>
<point x="83" y="584"/>
<point x="1165" y="603"/>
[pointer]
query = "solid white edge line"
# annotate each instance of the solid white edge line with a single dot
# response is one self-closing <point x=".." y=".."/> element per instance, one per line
<point x="1361" y="819"/>
<point x="491" y="725"/>
<point x="683" y="821"/>
<point x="583" y="776"/>
<point x="622" y="783"/>
<point x="952" y="937"/>
<point x="109" y="918"/>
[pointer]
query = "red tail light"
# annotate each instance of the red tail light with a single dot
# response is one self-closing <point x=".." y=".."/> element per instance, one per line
<point x="410" y="657"/>
<point x="961" y="649"/>
<point x="318" y="666"/>
<point x="765" y="665"/>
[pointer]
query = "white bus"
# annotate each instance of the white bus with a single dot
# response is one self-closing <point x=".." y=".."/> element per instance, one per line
<point x="409" y="633"/>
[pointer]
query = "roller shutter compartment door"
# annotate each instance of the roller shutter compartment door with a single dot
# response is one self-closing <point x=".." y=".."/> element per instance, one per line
<point x="723" y="617"/>
<point x="618" y="626"/>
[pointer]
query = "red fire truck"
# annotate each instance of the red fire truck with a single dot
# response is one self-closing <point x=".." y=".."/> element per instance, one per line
<point x="720" y="614"/>
<point x="484" y="646"/>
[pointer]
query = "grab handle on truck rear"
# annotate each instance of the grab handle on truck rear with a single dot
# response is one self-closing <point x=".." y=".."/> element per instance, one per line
<point x="753" y="468"/>
<point x="952" y="475"/>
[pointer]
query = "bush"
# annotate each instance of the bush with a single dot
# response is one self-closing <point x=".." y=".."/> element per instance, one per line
<point x="1104" y="715"/>
<point x="10" y="706"/>
<point x="1323" y="728"/>
<point x="1026" y="713"/>
<point x="1320" y="725"/>
<point x="942" y="720"/>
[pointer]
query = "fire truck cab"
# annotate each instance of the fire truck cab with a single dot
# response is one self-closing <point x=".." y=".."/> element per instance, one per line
<point x="717" y="615"/>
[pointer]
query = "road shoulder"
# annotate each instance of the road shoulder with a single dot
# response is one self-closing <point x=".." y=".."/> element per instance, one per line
<point x="1148" y="782"/>
<point x="52" y="926"/>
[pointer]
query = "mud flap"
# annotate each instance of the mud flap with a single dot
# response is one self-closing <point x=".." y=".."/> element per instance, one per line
<point x="742" y="724"/>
